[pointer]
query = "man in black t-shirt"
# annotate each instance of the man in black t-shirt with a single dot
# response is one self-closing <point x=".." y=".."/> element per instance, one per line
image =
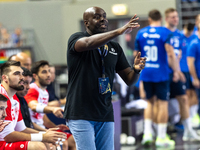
<point x="92" y="60"/>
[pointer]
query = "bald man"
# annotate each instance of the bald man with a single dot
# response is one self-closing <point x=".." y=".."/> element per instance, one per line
<point x="92" y="60"/>
<point x="23" y="58"/>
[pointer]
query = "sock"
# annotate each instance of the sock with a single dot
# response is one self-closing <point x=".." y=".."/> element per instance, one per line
<point x="162" y="130"/>
<point x="187" y="126"/>
<point x="147" y="126"/>
<point x="188" y="131"/>
<point x="155" y="127"/>
<point x="193" y="110"/>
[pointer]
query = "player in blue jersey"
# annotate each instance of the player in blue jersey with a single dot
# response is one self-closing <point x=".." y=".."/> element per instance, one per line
<point x="177" y="89"/>
<point x="193" y="60"/>
<point x="151" y="42"/>
<point x="187" y="37"/>
<point x="197" y="21"/>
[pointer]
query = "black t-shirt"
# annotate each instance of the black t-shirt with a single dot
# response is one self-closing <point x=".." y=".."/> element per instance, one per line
<point x="84" y="68"/>
<point x="25" y="112"/>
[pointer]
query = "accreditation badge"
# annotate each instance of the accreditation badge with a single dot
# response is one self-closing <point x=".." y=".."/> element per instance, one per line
<point x="104" y="85"/>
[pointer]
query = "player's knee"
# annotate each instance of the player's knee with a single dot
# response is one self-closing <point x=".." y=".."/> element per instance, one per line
<point x="37" y="146"/>
<point x="65" y="145"/>
<point x="42" y="146"/>
<point x="71" y="142"/>
<point x="183" y="99"/>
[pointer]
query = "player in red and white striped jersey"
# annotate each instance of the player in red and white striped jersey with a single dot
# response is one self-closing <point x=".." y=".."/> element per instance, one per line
<point x="16" y="135"/>
<point x="3" y="106"/>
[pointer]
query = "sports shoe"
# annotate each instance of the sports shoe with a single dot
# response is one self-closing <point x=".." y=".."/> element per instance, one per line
<point x="166" y="142"/>
<point x="147" y="139"/>
<point x="192" y="136"/>
<point x="195" y="121"/>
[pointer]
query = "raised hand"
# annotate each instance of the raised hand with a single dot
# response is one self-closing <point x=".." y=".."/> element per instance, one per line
<point x="139" y="62"/>
<point x="132" y="24"/>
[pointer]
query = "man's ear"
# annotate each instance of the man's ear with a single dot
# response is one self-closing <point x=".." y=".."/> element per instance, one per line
<point x="86" y="23"/>
<point x="4" y="78"/>
<point x="34" y="76"/>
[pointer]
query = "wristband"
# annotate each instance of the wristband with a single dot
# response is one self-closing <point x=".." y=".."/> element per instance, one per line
<point x="136" y="71"/>
<point x="40" y="108"/>
<point x="36" y="137"/>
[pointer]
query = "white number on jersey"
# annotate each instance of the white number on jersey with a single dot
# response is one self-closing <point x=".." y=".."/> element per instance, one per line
<point x="151" y="53"/>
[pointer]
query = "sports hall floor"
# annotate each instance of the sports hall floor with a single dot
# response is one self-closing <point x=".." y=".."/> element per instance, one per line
<point x="180" y="145"/>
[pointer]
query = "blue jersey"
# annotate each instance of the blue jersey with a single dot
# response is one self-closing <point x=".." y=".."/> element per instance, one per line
<point x="194" y="51"/>
<point x="195" y="30"/>
<point x="150" y="42"/>
<point x="185" y="43"/>
<point x="175" y="39"/>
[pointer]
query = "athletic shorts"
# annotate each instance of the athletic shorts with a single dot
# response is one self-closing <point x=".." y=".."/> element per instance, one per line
<point x="21" y="145"/>
<point x="159" y="89"/>
<point x="188" y="82"/>
<point x="68" y="134"/>
<point x="176" y="88"/>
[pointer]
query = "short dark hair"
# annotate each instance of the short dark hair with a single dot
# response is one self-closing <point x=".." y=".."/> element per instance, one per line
<point x="189" y="26"/>
<point x="36" y="66"/>
<point x="3" y="98"/>
<point x="155" y="15"/>
<point x="5" y="67"/>
<point x="26" y="72"/>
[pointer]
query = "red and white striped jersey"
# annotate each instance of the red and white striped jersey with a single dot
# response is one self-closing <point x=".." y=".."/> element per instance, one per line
<point x="13" y="114"/>
<point x="42" y="96"/>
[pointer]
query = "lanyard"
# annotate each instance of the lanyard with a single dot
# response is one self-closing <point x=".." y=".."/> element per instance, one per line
<point x="103" y="53"/>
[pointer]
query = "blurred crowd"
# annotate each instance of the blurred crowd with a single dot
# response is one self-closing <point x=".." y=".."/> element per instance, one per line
<point x="11" y="38"/>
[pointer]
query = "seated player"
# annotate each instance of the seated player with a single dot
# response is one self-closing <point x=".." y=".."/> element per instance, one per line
<point x="37" y="98"/>
<point x="16" y="135"/>
<point x="3" y="106"/>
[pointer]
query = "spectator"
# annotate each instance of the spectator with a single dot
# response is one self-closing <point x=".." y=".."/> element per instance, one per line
<point x="5" y="40"/>
<point x="16" y="37"/>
